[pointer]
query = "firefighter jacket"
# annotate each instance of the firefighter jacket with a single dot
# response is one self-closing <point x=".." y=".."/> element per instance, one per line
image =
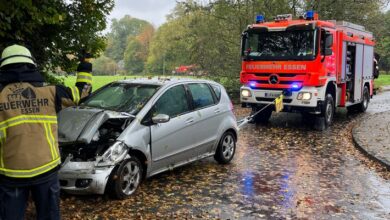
<point x="28" y="127"/>
<point x="84" y="73"/>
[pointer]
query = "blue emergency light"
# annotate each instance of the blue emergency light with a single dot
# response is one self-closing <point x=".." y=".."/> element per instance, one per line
<point x="295" y="87"/>
<point x="310" y="15"/>
<point x="252" y="84"/>
<point x="259" y="19"/>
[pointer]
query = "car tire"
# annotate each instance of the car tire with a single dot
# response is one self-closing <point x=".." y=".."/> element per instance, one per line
<point x="226" y="148"/>
<point x="324" y="120"/>
<point x="263" y="116"/>
<point x="126" y="179"/>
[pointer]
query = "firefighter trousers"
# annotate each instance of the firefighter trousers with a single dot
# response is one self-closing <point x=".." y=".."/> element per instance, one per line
<point x="13" y="200"/>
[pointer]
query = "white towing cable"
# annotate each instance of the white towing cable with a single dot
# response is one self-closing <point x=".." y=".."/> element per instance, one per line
<point x="278" y="106"/>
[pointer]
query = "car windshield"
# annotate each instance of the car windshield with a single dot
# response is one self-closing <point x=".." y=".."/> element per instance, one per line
<point x="281" y="45"/>
<point x="121" y="97"/>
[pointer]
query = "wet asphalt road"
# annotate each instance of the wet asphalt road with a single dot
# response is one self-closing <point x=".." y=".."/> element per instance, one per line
<point x="284" y="170"/>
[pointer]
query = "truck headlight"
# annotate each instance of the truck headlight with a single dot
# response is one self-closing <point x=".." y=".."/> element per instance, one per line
<point x="304" y="96"/>
<point x="246" y="93"/>
<point x="113" y="154"/>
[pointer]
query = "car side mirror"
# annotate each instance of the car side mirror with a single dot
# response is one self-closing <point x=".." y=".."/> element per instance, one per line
<point x="160" y="118"/>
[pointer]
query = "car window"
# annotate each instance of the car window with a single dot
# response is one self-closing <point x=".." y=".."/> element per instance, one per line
<point x="124" y="97"/>
<point x="201" y="95"/>
<point x="217" y="91"/>
<point x="173" y="102"/>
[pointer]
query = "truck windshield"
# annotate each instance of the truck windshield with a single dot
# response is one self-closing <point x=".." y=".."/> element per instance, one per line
<point x="280" y="45"/>
<point x="121" y="97"/>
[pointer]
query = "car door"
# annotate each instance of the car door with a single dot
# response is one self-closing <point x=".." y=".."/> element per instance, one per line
<point x="172" y="141"/>
<point x="206" y="116"/>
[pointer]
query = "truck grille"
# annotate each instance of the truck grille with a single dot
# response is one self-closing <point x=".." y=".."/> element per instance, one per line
<point x="284" y="80"/>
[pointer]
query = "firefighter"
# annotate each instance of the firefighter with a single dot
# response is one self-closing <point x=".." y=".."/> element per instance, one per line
<point x="84" y="73"/>
<point x="29" y="154"/>
<point x="376" y="65"/>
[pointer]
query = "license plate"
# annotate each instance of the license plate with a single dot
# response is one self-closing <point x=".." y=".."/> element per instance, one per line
<point x="271" y="94"/>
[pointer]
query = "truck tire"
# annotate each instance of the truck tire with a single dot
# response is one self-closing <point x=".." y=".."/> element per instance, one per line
<point x="324" y="120"/>
<point x="263" y="117"/>
<point x="361" y="107"/>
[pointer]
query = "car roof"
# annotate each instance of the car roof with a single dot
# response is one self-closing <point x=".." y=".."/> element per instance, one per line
<point x="164" y="81"/>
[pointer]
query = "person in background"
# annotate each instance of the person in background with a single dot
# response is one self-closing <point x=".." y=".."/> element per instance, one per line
<point x="84" y="73"/>
<point x="29" y="154"/>
<point x="376" y="65"/>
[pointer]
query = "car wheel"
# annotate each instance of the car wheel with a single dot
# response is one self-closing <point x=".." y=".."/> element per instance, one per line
<point x="226" y="148"/>
<point x="263" y="116"/>
<point x="126" y="178"/>
<point x="327" y="114"/>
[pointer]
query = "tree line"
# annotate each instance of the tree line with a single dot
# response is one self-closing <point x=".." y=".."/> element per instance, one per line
<point x="207" y="33"/>
<point x="197" y="32"/>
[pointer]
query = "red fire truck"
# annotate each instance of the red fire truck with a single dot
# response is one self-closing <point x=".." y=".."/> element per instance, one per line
<point x="318" y="65"/>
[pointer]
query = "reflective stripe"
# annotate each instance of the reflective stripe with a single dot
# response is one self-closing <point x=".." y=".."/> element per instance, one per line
<point x="49" y="140"/>
<point x="46" y="120"/>
<point x="75" y="94"/>
<point x="21" y="119"/>
<point x="3" y="135"/>
<point x="53" y="140"/>
<point x="30" y="173"/>
<point x="84" y="77"/>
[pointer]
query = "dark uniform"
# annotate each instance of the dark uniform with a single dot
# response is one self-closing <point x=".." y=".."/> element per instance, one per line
<point x="29" y="154"/>
<point x="84" y="76"/>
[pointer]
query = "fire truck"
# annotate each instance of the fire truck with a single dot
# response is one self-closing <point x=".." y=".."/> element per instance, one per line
<point x="318" y="65"/>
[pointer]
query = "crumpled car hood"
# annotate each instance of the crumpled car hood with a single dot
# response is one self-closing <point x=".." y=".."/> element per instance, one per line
<point x="77" y="124"/>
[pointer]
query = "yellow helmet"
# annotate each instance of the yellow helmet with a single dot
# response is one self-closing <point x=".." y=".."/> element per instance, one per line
<point x="16" y="54"/>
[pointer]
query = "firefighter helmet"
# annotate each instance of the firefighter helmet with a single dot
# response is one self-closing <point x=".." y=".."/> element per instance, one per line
<point x="16" y="54"/>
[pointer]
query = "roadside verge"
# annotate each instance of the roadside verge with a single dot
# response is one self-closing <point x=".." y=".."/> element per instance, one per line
<point x="372" y="137"/>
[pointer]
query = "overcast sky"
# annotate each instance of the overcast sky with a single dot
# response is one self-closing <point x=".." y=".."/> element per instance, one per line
<point x="154" y="11"/>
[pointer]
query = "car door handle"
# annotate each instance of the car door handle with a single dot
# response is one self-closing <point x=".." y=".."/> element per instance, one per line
<point x="189" y="121"/>
<point x="217" y="110"/>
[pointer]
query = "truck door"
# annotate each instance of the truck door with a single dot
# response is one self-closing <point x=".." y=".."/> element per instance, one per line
<point x="357" y="94"/>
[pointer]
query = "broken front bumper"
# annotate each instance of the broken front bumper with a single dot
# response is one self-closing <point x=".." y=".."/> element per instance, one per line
<point x="84" y="177"/>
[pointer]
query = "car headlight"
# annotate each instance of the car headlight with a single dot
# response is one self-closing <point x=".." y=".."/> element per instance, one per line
<point x="304" y="96"/>
<point x="113" y="154"/>
<point x="246" y="93"/>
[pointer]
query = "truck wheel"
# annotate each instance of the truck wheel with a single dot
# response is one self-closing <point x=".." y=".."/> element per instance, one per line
<point x="263" y="117"/>
<point x="226" y="148"/>
<point x="327" y="114"/>
<point x="362" y="107"/>
<point x="125" y="180"/>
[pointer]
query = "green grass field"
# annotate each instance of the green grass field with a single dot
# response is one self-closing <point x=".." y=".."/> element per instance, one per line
<point x="383" y="80"/>
<point x="98" y="81"/>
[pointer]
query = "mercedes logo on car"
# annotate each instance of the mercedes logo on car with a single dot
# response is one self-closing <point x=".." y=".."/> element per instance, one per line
<point x="273" y="79"/>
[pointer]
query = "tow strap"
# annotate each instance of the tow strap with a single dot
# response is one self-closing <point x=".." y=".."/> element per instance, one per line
<point x="278" y="108"/>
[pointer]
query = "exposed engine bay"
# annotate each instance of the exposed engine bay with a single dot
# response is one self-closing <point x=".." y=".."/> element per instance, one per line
<point x="85" y="140"/>
<point x="101" y="141"/>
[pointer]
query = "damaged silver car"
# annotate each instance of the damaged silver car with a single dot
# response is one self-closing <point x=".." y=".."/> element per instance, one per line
<point x="131" y="130"/>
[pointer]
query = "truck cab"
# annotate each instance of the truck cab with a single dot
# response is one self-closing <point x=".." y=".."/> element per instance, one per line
<point x="317" y="65"/>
